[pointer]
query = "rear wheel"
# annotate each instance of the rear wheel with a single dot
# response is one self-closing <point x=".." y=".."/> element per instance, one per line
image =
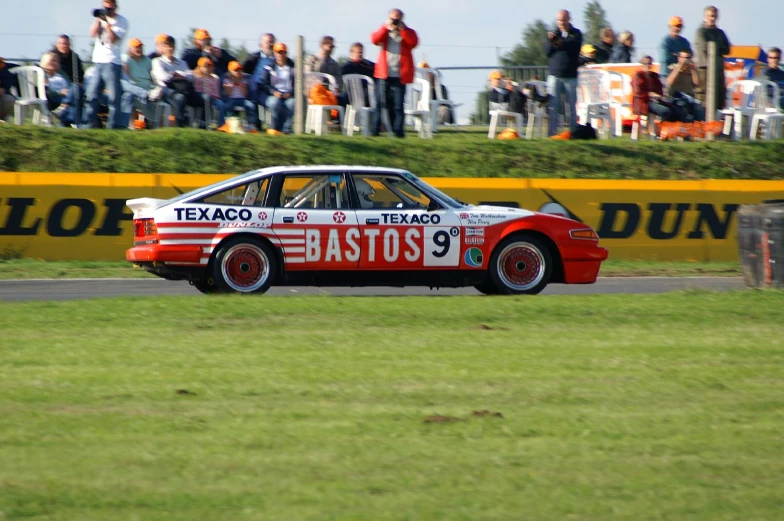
<point x="487" y="287"/>
<point x="520" y="264"/>
<point x="244" y="266"/>
<point x="206" y="286"/>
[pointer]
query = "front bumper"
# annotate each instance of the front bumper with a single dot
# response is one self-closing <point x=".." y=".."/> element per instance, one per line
<point x="581" y="264"/>
<point x="175" y="253"/>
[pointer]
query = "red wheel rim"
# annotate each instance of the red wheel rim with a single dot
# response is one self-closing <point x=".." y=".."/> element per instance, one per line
<point x="245" y="267"/>
<point x="521" y="266"/>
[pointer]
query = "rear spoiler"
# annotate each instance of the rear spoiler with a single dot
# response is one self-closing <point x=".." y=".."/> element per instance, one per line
<point x="145" y="205"/>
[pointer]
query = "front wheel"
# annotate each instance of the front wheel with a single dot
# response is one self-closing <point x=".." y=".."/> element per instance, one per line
<point x="520" y="264"/>
<point x="244" y="266"/>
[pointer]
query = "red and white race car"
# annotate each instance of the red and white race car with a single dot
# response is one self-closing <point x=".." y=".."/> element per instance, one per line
<point x="354" y="226"/>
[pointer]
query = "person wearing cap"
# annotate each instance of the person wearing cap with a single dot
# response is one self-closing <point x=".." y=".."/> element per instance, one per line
<point x="324" y="62"/>
<point x="7" y="80"/>
<point x="208" y="85"/>
<point x="605" y="45"/>
<point x="159" y="39"/>
<point x="587" y="55"/>
<point x="276" y="90"/>
<point x="563" y="50"/>
<point x="709" y="32"/>
<point x="137" y="81"/>
<point x="671" y="46"/>
<point x="394" y="68"/>
<point x="202" y="46"/>
<point x="445" y="114"/>
<point x="235" y="90"/>
<point x="174" y="83"/>
<point x="498" y="91"/>
<point x="108" y="29"/>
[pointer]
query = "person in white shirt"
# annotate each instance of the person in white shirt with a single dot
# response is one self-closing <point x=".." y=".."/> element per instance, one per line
<point x="108" y="29"/>
<point x="174" y="82"/>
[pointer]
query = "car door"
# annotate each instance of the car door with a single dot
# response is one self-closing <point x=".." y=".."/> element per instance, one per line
<point x="315" y="224"/>
<point x="398" y="231"/>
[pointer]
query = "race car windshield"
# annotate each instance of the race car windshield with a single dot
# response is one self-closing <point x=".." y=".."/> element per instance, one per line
<point x="450" y="201"/>
<point x="214" y="186"/>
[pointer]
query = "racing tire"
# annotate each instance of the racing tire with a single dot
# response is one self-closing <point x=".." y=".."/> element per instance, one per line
<point x="520" y="265"/>
<point x="206" y="286"/>
<point x="487" y="287"/>
<point x="244" y="265"/>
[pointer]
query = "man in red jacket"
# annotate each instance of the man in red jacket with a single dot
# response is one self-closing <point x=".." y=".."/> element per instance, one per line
<point x="394" y="68"/>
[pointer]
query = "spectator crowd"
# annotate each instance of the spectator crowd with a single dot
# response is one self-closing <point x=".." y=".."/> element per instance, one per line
<point x="125" y="84"/>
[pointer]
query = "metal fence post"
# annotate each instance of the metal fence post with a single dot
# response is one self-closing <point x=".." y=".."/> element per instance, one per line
<point x="299" y="90"/>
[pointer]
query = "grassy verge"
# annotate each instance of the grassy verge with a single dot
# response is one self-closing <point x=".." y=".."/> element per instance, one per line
<point x="606" y="407"/>
<point x="452" y="154"/>
<point x="36" y="269"/>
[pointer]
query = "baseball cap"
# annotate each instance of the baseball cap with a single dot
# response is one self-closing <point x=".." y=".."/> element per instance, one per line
<point x="587" y="49"/>
<point x="676" y="20"/>
<point x="201" y="34"/>
<point x="135" y="42"/>
<point x="161" y="38"/>
<point x="280" y="47"/>
<point x="235" y="66"/>
<point x="495" y="75"/>
<point x="423" y="65"/>
<point x="206" y="61"/>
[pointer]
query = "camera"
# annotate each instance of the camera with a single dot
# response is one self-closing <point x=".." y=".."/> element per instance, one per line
<point x="99" y="12"/>
<point x="395" y="21"/>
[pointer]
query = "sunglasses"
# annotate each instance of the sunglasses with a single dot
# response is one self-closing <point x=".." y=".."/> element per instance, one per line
<point x="774" y="57"/>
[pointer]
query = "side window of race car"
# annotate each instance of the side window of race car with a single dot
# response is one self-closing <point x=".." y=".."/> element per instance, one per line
<point x="249" y="194"/>
<point x="389" y="192"/>
<point x="314" y="191"/>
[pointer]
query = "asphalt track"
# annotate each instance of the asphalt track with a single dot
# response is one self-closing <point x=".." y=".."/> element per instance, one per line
<point x="70" y="289"/>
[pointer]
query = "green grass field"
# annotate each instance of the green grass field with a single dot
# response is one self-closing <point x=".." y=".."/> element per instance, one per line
<point x="37" y="269"/>
<point x="451" y="154"/>
<point x="664" y="407"/>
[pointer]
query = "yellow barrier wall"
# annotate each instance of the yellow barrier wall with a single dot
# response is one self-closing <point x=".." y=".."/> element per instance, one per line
<point x="56" y="216"/>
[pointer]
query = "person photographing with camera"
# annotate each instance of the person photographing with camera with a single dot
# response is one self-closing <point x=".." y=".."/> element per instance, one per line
<point x="394" y="68"/>
<point x="108" y="29"/>
<point x="682" y="81"/>
<point x="563" y="49"/>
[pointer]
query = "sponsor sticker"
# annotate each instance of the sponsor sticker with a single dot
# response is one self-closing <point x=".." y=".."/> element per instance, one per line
<point x="474" y="232"/>
<point x="302" y="217"/>
<point x="474" y="240"/>
<point x="404" y="218"/>
<point x="473" y="257"/>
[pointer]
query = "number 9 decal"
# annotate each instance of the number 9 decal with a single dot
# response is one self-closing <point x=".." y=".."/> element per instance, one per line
<point x="441" y="239"/>
<point x="442" y="246"/>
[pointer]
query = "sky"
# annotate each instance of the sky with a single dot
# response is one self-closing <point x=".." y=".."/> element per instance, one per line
<point x="451" y="32"/>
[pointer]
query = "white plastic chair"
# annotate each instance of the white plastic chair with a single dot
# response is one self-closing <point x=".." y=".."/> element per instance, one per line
<point x="644" y="123"/>
<point x="314" y="119"/>
<point x="420" y="107"/>
<point x="439" y="99"/>
<point x="498" y="111"/>
<point x="361" y="92"/>
<point x="618" y="86"/>
<point x="593" y="99"/>
<point x="537" y="112"/>
<point x="752" y="99"/>
<point x="772" y="118"/>
<point x="32" y="93"/>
